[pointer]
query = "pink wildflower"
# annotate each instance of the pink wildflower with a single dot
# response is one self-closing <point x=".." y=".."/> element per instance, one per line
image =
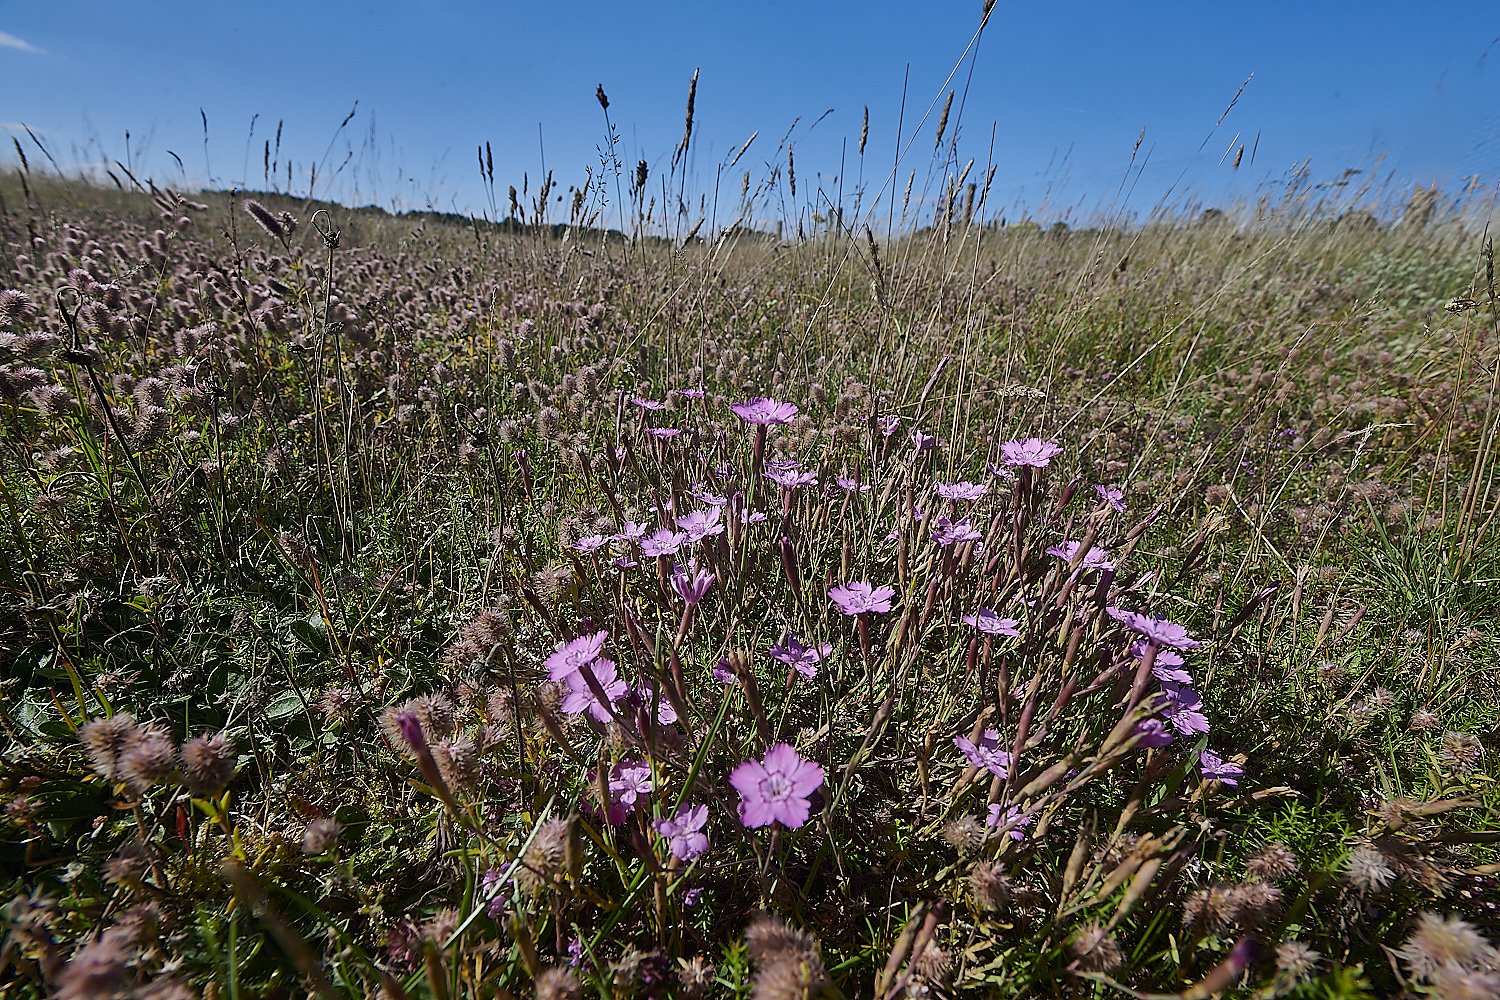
<point x="1030" y="451"/>
<point x="776" y="788"/>
<point x="858" y="597"/>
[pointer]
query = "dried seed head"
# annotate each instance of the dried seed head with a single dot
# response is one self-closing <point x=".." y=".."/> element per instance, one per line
<point x="932" y="965"/>
<point x="1096" y="950"/>
<point x="458" y="762"/>
<point x="992" y="887"/>
<point x="558" y="984"/>
<point x="553" y="582"/>
<point x="542" y="862"/>
<point x="964" y="834"/>
<point x="106" y="740"/>
<point x="769" y="938"/>
<point x="207" y="764"/>
<point x="320" y="836"/>
<point x="338" y="703"/>
<point x="1439" y="942"/>
<point x="1296" y="959"/>
<point x="795" y="976"/>
<point x="1423" y="720"/>
<point x="1272" y="863"/>
<point x="1367" y="869"/>
<point x="694" y="977"/>
<point x="1251" y="904"/>
<point x="97" y="969"/>
<point x="1461" y="753"/>
<point x="149" y="759"/>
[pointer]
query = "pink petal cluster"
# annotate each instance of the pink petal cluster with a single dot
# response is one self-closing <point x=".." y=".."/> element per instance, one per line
<point x="990" y="623"/>
<point x="684" y="832"/>
<point x="802" y="658"/>
<point x="1029" y="451"/>
<point x="859" y="597"/>
<point x="985" y="753"/>
<point x="776" y="788"/>
<point x="764" y="411"/>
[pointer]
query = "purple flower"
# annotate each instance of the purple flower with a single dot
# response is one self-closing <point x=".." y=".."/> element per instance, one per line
<point x="923" y="442"/>
<point x="1184" y="710"/>
<point x="1166" y="667"/>
<point x="723" y="674"/>
<point x="1216" y="768"/>
<point x="683" y="832"/>
<point x="571" y="655"/>
<point x="956" y="534"/>
<point x="580" y="696"/>
<point x="646" y="695"/>
<point x="663" y="433"/>
<point x="1009" y="820"/>
<point x="1152" y="733"/>
<point x="712" y="499"/>
<point x="801" y="658"/>
<point x="962" y="490"/>
<point x="623" y="562"/>
<point x="790" y="478"/>
<point x="1031" y="451"/>
<point x="1112" y="495"/>
<point x="858" y="597"/>
<point x="1158" y="630"/>
<point x="691" y="583"/>
<point x="648" y="404"/>
<point x="985" y="754"/>
<point x="591" y="544"/>
<point x="999" y="472"/>
<point x="701" y="524"/>
<point x="689" y="393"/>
<point x="629" y="780"/>
<point x="693" y="896"/>
<point x="631" y="532"/>
<point x="663" y="542"/>
<point x="1097" y="558"/>
<point x="852" y="485"/>
<point x="888" y="424"/>
<point x="991" y="623"/>
<point x="752" y="516"/>
<point x="764" y="412"/>
<point x="776" y="788"/>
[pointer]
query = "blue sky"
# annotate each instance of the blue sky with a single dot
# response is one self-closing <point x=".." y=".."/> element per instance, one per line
<point x="1066" y="88"/>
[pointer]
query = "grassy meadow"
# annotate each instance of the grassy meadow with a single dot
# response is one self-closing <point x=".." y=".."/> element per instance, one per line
<point x="411" y="606"/>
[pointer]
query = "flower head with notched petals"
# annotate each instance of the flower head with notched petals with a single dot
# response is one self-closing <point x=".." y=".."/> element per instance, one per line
<point x="852" y="485"/>
<point x="764" y="411"/>
<point x="690" y="582"/>
<point x="581" y="697"/>
<point x="956" y="534"/>
<point x="858" y="597"/>
<point x="1157" y="630"/>
<point x="1030" y="451"/>
<point x="574" y="654"/>
<point x="663" y="543"/>
<point x="684" y="832"/>
<point x="790" y="479"/>
<point x="1112" y="495"/>
<point x="702" y="524"/>
<point x="1184" y="710"/>
<point x="1152" y="733"/>
<point x="962" y="491"/>
<point x="1216" y="768"/>
<point x="1009" y="820"/>
<point x="985" y="753"/>
<point x="776" y="788"/>
<point x="1096" y="558"/>
<point x="990" y="623"/>
<point x="802" y="658"/>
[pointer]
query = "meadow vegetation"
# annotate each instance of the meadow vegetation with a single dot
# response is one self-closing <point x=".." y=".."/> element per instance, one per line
<point x="412" y="607"/>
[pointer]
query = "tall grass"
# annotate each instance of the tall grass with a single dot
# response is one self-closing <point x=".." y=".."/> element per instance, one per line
<point x="424" y="606"/>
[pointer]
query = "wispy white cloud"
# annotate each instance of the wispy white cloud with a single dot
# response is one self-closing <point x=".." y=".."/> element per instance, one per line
<point x="12" y="42"/>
